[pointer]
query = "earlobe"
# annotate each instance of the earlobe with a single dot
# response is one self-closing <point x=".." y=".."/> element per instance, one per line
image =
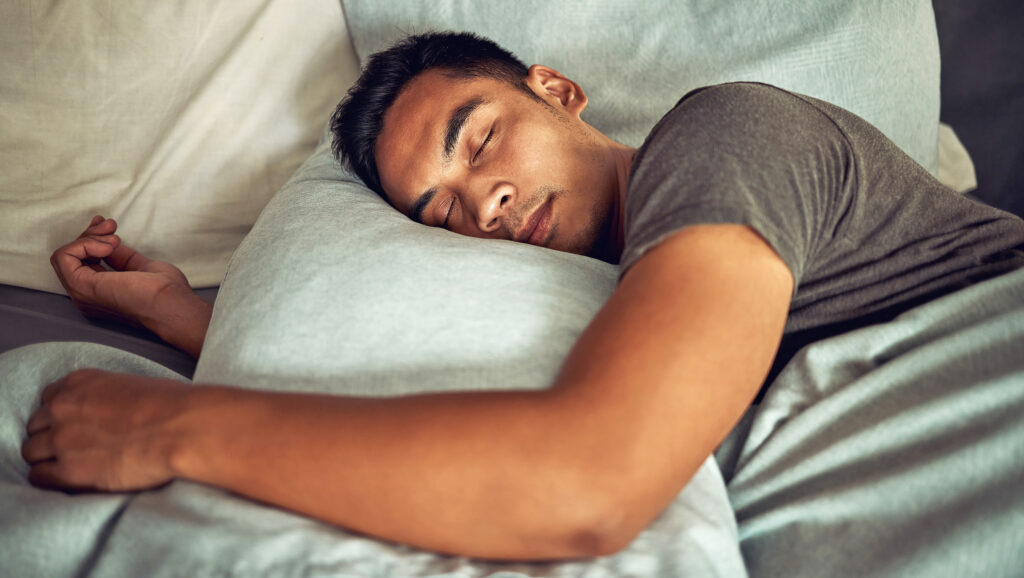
<point x="550" y="85"/>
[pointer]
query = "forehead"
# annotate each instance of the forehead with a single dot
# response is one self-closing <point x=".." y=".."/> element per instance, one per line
<point x="409" y="147"/>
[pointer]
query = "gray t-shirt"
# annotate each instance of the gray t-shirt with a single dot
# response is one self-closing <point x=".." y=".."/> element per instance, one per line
<point x="864" y="229"/>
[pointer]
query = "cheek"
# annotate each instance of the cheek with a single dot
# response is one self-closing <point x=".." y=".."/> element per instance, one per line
<point x="536" y="155"/>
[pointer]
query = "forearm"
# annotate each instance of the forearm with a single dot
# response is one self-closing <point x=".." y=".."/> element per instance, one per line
<point x="179" y="317"/>
<point x="480" y="474"/>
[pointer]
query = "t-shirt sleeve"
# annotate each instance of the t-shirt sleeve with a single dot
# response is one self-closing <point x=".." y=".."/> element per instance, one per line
<point x="741" y="153"/>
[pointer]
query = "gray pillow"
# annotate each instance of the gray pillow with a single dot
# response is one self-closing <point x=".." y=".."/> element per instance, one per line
<point x="636" y="59"/>
<point x="333" y="290"/>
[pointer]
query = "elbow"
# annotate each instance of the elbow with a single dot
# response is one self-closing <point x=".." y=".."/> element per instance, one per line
<point x="590" y="543"/>
<point x="607" y="529"/>
<point x="593" y="509"/>
<point x="585" y="525"/>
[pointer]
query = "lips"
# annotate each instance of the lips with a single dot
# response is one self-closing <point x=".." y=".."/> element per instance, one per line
<point x="535" y="232"/>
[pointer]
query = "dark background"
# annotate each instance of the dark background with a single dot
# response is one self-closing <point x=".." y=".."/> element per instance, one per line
<point x="982" y="47"/>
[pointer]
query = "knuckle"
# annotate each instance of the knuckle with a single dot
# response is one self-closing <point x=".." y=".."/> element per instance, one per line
<point x="61" y="407"/>
<point x="61" y="437"/>
<point x="79" y="377"/>
<point x="28" y="449"/>
<point x="67" y="471"/>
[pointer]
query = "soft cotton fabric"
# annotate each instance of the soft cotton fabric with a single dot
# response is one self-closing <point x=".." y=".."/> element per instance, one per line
<point x="334" y="290"/>
<point x="861" y="226"/>
<point x="893" y="450"/>
<point x="896" y="450"/>
<point x="179" y="119"/>
<point x="635" y="59"/>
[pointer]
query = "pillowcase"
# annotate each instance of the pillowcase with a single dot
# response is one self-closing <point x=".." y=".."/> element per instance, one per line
<point x="179" y="119"/>
<point x="879" y="60"/>
<point x="333" y="290"/>
<point x="956" y="169"/>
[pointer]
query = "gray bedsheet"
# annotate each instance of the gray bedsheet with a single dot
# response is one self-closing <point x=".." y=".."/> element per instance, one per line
<point x="895" y="450"/>
<point x="186" y="529"/>
<point x="28" y="316"/>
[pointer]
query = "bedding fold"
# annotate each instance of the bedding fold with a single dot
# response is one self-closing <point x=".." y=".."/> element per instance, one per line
<point x="895" y="450"/>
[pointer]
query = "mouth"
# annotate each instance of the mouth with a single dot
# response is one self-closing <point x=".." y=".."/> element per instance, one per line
<point x="538" y="225"/>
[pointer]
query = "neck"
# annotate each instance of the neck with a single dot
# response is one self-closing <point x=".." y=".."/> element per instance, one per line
<point x="623" y="156"/>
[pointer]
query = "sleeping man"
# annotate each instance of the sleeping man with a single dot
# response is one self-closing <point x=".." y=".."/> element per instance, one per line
<point x="750" y="219"/>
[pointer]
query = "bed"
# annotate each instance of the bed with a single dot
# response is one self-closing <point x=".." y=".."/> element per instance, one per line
<point x="894" y="450"/>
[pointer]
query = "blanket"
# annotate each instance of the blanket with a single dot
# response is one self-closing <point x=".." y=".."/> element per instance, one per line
<point x="894" y="450"/>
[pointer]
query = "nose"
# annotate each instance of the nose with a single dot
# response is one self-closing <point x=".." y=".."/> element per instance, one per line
<point x="495" y="202"/>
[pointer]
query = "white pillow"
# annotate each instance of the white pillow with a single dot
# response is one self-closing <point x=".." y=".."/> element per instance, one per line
<point x="179" y="119"/>
<point x="635" y="59"/>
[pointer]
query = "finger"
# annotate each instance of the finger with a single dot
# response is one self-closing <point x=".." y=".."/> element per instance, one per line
<point x="47" y="475"/>
<point x="89" y="247"/>
<point x="51" y="390"/>
<point x="99" y="226"/>
<point x="68" y="260"/>
<point x="40" y="420"/>
<point x="38" y="448"/>
<point x="108" y="239"/>
<point x="95" y="261"/>
<point x="124" y="258"/>
<point x="69" y="475"/>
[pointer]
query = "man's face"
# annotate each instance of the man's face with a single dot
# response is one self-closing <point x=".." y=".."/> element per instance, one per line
<point x="482" y="158"/>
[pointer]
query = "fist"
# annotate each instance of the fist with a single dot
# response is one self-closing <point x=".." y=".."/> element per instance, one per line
<point x="98" y="430"/>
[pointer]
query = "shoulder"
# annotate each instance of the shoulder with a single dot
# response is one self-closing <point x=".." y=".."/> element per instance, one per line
<point x="742" y="98"/>
<point x="744" y="122"/>
<point x="738" y="92"/>
<point x="742" y="153"/>
<point x="738" y="110"/>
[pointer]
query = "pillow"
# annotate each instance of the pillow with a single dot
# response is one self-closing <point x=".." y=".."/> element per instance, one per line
<point x="179" y="119"/>
<point x="333" y="291"/>
<point x="956" y="168"/>
<point x="636" y="59"/>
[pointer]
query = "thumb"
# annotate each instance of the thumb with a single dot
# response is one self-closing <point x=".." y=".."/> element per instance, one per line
<point x="74" y="263"/>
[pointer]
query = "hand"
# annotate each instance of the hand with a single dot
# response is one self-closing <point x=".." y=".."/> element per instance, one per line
<point x="128" y="293"/>
<point x="138" y="291"/>
<point x="98" y="430"/>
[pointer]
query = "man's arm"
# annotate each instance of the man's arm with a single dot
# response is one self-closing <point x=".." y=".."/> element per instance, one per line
<point x="137" y="291"/>
<point x="652" y="387"/>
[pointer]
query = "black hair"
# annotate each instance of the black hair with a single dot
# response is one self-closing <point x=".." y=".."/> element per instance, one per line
<point x="359" y="118"/>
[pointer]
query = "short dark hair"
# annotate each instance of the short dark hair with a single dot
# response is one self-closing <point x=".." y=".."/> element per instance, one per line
<point x="359" y="118"/>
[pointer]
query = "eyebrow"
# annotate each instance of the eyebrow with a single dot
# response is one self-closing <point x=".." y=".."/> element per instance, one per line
<point x="456" y="122"/>
<point x="455" y="125"/>
<point x="416" y="212"/>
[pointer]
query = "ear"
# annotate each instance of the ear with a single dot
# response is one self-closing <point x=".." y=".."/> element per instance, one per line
<point x="552" y="86"/>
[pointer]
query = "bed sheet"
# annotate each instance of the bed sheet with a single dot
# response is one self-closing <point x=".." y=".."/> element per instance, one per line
<point x="187" y="529"/>
<point x="897" y="449"/>
<point x="894" y="450"/>
<point x="29" y="316"/>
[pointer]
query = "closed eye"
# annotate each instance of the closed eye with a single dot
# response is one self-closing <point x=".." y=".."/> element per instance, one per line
<point x="448" y="213"/>
<point x="483" y="144"/>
